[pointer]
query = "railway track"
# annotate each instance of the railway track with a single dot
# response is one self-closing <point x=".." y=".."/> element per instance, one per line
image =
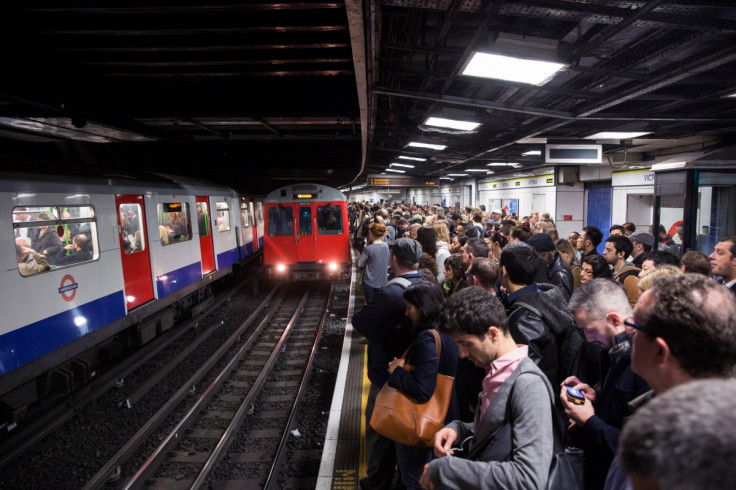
<point x="215" y="440"/>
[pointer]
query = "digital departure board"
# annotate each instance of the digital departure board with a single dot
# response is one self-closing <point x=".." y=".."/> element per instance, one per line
<point x="400" y="181"/>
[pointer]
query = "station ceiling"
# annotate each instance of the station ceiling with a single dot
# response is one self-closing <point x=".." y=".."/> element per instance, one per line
<point x="257" y="95"/>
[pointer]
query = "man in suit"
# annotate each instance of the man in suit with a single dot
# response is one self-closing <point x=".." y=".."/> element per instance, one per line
<point x="723" y="261"/>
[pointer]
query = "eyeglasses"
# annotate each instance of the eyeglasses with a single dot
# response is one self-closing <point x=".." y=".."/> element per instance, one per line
<point x="632" y="324"/>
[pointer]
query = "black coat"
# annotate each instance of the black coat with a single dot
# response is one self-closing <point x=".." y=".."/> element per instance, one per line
<point x="561" y="275"/>
<point x="49" y="242"/>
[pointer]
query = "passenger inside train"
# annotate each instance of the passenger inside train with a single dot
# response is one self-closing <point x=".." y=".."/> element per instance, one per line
<point x="678" y="326"/>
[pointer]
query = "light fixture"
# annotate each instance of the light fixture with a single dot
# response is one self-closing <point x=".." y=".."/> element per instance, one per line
<point x="490" y="172"/>
<point x="446" y="178"/>
<point x="509" y="68"/>
<point x="395" y="170"/>
<point x="457" y="175"/>
<point x="416" y="159"/>
<point x="531" y="153"/>
<point x="417" y="144"/>
<point x="475" y="170"/>
<point x="401" y="165"/>
<point x="732" y="95"/>
<point x="668" y="166"/>
<point x="503" y="164"/>
<point x="442" y="122"/>
<point x="616" y="135"/>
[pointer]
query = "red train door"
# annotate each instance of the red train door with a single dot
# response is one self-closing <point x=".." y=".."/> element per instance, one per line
<point x="134" y="250"/>
<point x="205" y="235"/>
<point x="306" y="247"/>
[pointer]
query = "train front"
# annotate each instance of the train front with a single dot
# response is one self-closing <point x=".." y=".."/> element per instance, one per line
<point x="307" y="236"/>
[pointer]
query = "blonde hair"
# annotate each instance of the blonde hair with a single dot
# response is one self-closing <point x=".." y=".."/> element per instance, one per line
<point x="563" y="245"/>
<point x="443" y="233"/>
<point x="162" y="234"/>
<point x="378" y="230"/>
<point x="659" y="271"/>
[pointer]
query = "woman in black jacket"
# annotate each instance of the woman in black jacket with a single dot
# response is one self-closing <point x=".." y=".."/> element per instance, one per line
<point x="423" y="301"/>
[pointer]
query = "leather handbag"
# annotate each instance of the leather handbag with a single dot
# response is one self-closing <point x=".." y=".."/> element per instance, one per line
<point x="403" y="419"/>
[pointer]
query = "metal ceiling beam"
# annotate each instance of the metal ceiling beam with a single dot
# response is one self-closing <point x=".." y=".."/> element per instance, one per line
<point x="181" y="9"/>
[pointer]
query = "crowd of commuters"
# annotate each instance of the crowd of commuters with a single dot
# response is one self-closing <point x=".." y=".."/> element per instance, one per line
<point x="524" y="317"/>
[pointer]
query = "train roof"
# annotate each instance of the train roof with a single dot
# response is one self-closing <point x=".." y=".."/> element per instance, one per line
<point x="105" y="181"/>
<point x="290" y="193"/>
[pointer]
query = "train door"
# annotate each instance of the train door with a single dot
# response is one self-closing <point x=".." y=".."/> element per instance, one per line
<point x="246" y="229"/>
<point x="205" y="235"/>
<point x="254" y="226"/>
<point x="134" y="250"/>
<point x="306" y="237"/>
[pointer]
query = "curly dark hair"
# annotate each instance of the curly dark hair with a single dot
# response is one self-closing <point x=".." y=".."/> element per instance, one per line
<point x="472" y="311"/>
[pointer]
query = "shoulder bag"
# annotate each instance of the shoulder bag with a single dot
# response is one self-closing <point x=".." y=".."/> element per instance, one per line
<point x="403" y="419"/>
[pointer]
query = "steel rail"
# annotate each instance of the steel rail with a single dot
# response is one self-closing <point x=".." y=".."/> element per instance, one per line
<point x="99" y="479"/>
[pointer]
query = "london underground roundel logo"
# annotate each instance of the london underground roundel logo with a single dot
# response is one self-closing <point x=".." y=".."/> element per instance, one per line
<point x="68" y="288"/>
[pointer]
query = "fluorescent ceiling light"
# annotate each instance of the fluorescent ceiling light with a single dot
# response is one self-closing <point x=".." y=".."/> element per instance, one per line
<point x="446" y="178"/>
<point x="416" y="159"/>
<point x="616" y="135"/>
<point x="401" y="165"/>
<point x="668" y="166"/>
<point x="475" y="170"/>
<point x="503" y="164"/>
<point x="457" y="175"/>
<point x="441" y="122"/>
<point x="732" y="95"/>
<point x="395" y="170"/>
<point x="488" y="65"/>
<point x="532" y="152"/>
<point x="490" y="172"/>
<point x="427" y="145"/>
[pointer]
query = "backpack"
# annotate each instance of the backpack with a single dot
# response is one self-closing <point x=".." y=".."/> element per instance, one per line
<point x="401" y="281"/>
<point x="572" y="352"/>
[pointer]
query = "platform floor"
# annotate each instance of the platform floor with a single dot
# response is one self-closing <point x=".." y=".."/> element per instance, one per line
<point x="343" y="458"/>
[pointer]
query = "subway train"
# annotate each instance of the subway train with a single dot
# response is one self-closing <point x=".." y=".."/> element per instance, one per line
<point x="307" y="233"/>
<point x="104" y="263"/>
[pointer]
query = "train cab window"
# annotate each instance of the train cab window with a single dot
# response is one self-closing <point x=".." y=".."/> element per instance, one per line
<point x="131" y="228"/>
<point x="280" y="221"/>
<point x="203" y="218"/>
<point x="48" y="237"/>
<point x="223" y="216"/>
<point x="305" y="220"/>
<point x="173" y="222"/>
<point x="328" y="219"/>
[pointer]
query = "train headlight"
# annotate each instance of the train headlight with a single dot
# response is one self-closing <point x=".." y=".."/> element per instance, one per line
<point x="332" y="266"/>
<point x="280" y="268"/>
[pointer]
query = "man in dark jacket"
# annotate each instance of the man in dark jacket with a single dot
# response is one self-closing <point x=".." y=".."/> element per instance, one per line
<point x="79" y="251"/>
<point x="557" y="269"/>
<point x="389" y="333"/>
<point x="538" y="315"/>
<point x="600" y="307"/>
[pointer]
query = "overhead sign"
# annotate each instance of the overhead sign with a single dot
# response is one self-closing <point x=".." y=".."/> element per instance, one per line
<point x="400" y="181"/>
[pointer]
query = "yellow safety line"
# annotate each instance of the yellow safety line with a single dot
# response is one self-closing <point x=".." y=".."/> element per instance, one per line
<point x="363" y="463"/>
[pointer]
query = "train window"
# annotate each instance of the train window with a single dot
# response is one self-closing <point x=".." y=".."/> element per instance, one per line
<point x="328" y="219"/>
<point x="173" y="222"/>
<point x="223" y="216"/>
<point x="48" y="237"/>
<point x="131" y="228"/>
<point x="259" y="213"/>
<point x="305" y="220"/>
<point x="245" y="218"/>
<point x="203" y="218"/>
<point x="280" y="221"/>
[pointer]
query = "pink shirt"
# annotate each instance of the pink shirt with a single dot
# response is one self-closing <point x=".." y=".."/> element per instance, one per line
<point x="498" y="372"/>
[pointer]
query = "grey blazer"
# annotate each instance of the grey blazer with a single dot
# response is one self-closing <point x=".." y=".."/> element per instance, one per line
<point x="533" y="438"/>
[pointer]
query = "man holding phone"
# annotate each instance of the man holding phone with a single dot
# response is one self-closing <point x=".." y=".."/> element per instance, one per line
<point x="600" y="308"/>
